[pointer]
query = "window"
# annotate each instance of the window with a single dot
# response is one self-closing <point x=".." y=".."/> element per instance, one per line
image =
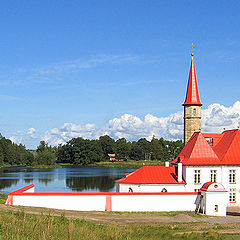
<point x="210" y="141"/>
<point x="213" y="176"/>
<point x="232" y="176"/>
<point x="216" y="208"/>
<point x="232" y="195"/>
<point x="130" y="190"/>
<point x="194" y="111"/>
<point x="197" y="176"/>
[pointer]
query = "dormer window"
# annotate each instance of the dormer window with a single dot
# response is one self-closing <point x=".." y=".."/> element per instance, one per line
<point x="210" y="141"/>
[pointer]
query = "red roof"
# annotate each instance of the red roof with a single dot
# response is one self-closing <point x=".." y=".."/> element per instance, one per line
<point x="205" y="186"/>
<point x="225" y="151"/>
<point x="212" y="187"/>
<point x="152" y="175"/>
<point x="192" y="96"/>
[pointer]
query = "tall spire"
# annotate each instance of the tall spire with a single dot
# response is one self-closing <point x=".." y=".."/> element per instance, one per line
<point x="192" y="96"/>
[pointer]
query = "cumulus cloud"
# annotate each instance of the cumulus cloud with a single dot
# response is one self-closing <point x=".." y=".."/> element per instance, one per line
<point x="215" y="118"/>
<point x="31" y="131"/>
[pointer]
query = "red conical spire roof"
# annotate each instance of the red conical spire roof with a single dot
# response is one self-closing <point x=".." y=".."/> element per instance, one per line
<point x="192" y="96"/>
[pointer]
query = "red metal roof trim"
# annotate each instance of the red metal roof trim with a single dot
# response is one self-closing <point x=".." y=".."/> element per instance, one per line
<point x="152" y="175"/>
<point x="192" y="96"/>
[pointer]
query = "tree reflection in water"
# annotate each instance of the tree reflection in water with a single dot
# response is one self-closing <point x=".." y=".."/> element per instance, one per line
<point x="102" y="183"/>
<point x="5" y="183"/>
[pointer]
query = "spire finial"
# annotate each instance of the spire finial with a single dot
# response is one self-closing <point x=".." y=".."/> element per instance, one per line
<point x="193" y="46"/>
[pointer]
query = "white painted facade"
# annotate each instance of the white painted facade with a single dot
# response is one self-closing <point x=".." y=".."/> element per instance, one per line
<point x="222" y="173"/>
<point x="131" y="187"/>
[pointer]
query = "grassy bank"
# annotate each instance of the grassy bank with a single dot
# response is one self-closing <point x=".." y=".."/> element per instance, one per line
<point x="19" y="225"/>
<point x="127" y="164"/>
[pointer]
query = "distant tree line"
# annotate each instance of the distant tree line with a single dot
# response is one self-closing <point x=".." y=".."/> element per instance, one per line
<point x="81" y="151"/>
<point x="13" y="154"/>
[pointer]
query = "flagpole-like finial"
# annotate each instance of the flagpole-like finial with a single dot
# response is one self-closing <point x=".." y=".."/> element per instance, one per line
<point x="193" y="46"/>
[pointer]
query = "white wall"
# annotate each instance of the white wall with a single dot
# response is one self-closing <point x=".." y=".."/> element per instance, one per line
<point x="157" y="203"/>
<point x="67" y="202"/>
<point x="111" y="201"/>
<point x="124" y="187"/>
<point x="215" y="198"/>
<point x="222" y="177"/>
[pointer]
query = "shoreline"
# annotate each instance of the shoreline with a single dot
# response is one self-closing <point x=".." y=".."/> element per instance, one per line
<point x="127" y="164"/>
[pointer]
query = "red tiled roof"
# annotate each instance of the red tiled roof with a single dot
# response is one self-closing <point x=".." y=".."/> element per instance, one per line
<point x="225" y="151"/>
<point x="152" y="175"/>
<point x="197" y="151"/>
<point x="228" y="148"/>
<point x="192" y="96"/>
<point x="205" y="186"/>
<point x="212" y="187"/>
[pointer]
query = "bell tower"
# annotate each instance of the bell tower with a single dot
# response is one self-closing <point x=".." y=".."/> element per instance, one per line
<point x="192" y="106"/>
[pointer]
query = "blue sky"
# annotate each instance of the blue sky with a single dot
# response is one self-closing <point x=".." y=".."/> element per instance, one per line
<point x="93" y="61"/>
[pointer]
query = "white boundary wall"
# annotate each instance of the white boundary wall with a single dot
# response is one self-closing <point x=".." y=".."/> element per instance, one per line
<point x="174" y="201"/>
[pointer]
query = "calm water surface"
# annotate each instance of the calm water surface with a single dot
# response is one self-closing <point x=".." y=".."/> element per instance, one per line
<point x="67" y="179"/>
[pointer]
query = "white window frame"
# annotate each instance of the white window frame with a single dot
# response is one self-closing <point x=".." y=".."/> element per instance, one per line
<point x="232" y="195"/>
<point x="213" y="175"/>
<point x="232" y="176"/>
<point x="197" y="176"/>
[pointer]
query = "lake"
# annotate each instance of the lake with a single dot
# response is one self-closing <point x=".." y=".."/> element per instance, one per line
<point x="66" y="179"/>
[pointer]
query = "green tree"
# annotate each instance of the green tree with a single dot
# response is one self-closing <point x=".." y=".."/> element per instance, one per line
<point x="45" y="157"/>
<point x="122" y="148"/>
<point x="107" y="144"/>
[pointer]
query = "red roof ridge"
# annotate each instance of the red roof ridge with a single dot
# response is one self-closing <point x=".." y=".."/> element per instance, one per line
<point x="192" y="96"/>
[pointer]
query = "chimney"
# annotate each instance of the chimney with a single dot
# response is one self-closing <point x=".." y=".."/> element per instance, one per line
<point x="166" y="164"/>
<point x="179" y="171"/>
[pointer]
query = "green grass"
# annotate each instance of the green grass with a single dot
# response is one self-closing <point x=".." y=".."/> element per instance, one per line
<point x="127" y="164"/>
<point x="2" y="198"/>
<point x="19" y="225"/>
<point x="25" y="226"/>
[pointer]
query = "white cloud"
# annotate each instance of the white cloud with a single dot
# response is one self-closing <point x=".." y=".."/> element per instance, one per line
<point x="79" y="64"/>
<point x="16" y="139"/>
<point x="214" y="119"/>
<point x="31" y="131"/>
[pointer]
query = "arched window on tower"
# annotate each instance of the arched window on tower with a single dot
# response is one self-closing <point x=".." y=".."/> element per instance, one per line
<point x="194" y="111"/>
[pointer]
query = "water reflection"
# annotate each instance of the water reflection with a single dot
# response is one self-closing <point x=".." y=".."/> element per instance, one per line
<point x="5" y="183"/>
<point x="101" y="183"/>
<point x="61" y="179"/>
